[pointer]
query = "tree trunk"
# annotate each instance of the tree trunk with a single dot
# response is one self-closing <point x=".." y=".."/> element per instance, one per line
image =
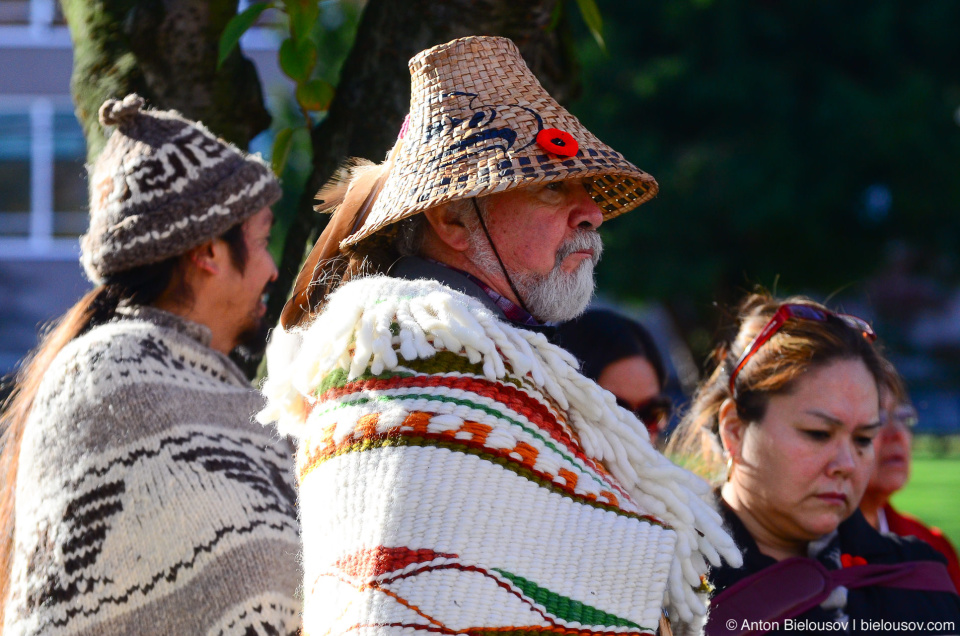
<point x="373" y="94"/>
<point x="165" y="50"/>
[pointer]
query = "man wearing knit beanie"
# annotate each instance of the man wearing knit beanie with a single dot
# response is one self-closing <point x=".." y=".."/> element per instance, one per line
<point x="137" y="495"/>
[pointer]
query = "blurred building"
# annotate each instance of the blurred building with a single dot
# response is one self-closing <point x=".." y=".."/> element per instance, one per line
<point x="42" y="176"/>
<point x="43" y="189"/>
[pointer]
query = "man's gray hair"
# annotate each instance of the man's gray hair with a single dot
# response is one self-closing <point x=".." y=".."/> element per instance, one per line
<point x="410" y="231"/>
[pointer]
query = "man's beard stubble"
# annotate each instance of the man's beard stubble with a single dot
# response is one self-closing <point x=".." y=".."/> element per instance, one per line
<point x="555" y="296"/>
<point x="252" y="340"/>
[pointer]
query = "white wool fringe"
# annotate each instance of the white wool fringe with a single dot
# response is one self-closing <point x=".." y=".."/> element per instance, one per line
<point x="354" y="333"/>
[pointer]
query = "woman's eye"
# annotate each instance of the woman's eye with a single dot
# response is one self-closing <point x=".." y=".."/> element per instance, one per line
<point x="820" y="436"/>
<point x="863" y="440"/>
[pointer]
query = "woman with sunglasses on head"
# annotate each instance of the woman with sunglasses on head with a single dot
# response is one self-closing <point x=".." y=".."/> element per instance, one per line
<point x="892" y="450"/>
<point x="620" y="355"/>
<point x="785" y="427"/>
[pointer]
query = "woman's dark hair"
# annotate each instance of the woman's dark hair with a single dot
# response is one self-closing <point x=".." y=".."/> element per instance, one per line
<point x="600" y="337"/>
<point x="893" y="383"/>
<point x="138" y="286"/>
<point x="799" y="346"/>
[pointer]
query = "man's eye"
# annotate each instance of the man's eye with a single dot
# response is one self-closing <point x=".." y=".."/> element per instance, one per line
<point x="820" y="436"/>
<point x="556" y="186"/>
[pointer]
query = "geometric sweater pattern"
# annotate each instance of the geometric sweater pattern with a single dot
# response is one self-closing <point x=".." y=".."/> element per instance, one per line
<point x="147" y="500"/>
<point x="450" y="478"/>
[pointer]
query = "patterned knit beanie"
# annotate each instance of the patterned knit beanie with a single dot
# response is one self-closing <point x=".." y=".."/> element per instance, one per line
<point x="163" y="185"/>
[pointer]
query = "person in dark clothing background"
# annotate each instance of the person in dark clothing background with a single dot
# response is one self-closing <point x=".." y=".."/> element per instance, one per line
<point x="620" y="355"/>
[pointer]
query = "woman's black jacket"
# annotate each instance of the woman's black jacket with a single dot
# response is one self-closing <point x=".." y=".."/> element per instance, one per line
<point x="867" y="608"/>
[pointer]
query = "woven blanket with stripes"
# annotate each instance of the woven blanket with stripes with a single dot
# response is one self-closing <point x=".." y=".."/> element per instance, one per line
<point x="445" y="480"/>
<point x="147" y="501"/>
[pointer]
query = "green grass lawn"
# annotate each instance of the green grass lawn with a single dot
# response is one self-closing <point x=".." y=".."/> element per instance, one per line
<point x="933" y="492"/>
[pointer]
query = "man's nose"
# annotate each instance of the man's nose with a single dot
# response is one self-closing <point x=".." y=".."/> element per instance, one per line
<point x="586" y="214"/>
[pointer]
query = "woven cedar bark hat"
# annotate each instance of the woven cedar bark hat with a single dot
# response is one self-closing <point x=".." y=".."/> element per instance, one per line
<point x="480" y="123"/>
<point x="162" y="185"/>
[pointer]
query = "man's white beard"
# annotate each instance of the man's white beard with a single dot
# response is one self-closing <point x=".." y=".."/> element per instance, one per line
<point x="556" y="296"/>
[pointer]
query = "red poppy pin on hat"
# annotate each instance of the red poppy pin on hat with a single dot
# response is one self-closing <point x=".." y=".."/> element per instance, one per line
<point x="557" y="141"/>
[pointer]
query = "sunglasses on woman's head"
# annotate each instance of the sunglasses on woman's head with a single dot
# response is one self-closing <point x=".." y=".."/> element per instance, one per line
<point x="654" y="413"/>
<point x="802" y="312"/>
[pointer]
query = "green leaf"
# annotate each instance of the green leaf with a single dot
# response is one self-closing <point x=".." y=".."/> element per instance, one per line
<point x="303" y="14"/>
<point x="281" y="150"/>
<point x="591" y="15"/>
<point x="314" y="95"/>
<point x="297" y="58"/>
<point x="237" y="26"/>
<point x="555" y="15"/>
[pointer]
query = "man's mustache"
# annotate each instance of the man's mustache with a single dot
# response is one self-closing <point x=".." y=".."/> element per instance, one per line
<point x="582" y="240"/>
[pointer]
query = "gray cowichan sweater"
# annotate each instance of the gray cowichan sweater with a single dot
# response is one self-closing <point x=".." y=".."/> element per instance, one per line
<point x="147" y="501"/>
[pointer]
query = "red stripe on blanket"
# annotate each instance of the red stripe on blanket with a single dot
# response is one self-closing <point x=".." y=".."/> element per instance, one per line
<point x="508" y="395"/>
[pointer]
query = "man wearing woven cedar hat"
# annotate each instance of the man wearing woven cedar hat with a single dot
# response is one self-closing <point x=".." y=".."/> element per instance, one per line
<point x="137" y="495"/>
<point x="456" y="470"/>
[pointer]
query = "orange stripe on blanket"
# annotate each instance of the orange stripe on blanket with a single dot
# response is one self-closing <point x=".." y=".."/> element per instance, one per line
<point x="412" y="431"/>
<point x="506" y="394"/>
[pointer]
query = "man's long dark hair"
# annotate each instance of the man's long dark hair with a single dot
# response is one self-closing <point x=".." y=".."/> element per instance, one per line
<point x="139" y="286"/>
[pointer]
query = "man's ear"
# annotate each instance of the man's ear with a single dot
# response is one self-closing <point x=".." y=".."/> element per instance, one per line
<point x="732" y="429"/>
<point x="208" y="257"/>
<point x="449" y="227"/>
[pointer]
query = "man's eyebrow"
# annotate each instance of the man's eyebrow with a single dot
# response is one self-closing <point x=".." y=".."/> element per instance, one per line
<point x="832" y="421"/>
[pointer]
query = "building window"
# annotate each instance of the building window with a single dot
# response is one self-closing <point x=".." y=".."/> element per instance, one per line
<point x="14" y="174"/>
<point x="43" y="187"/>
<point x="15" y="12"/>
<point x="69" y="176"/>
